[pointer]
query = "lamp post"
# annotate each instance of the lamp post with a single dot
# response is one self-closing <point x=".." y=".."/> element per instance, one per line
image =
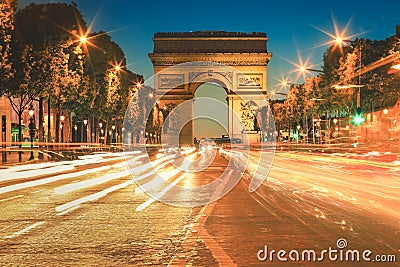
<point x="62" y="118"/>
<point x="84" y="130"/>
<point x="100" y="131"/>
<point x="277" y="93"/>
<point x="76" y="133"/>
<point x="113" y="136"/>
<point x="31" y="129"/>
<point x="304" y="69"/>
<point x="298" y="128"/>
<point x="341" y="41"/>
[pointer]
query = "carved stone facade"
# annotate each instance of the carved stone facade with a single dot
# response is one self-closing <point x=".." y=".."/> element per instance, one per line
<point x="185" y="60"/>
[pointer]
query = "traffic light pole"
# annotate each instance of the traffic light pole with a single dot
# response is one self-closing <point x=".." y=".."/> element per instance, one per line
<point x="4" y="138"/>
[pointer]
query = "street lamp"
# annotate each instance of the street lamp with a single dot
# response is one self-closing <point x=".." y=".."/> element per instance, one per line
<point x="32" y="127"/>
<point x="340" y="41"/>
<point x="100" y="131"/>
<point x="277" y="93"/>
<point x="394" y="69"/>
<point x="298" y="128"/>
<point x="273" y="93"/>
<point x="62" y="118"/>
<point x="76" y="133"/>
<point x="85" y="122"/>
<point x="113" y="135"/>
<point x="304" y="69"/>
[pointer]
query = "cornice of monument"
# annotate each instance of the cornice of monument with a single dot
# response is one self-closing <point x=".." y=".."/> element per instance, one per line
<point x="231" y="59"/>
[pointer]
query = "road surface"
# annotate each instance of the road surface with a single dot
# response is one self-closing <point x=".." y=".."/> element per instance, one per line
<point x="94" y="212"/>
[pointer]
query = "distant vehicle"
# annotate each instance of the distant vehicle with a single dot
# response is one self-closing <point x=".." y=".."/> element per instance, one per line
<point x="206" y="144"/>
<point x="222" y="140"/>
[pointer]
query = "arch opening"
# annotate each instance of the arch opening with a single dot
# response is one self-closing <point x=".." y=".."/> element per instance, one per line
<point x="217" y="124"/>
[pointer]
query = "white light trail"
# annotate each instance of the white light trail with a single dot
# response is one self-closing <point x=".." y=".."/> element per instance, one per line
<point x="88" y="183"/>
<point x="93" y="197"/>
<point x="33" y="173"/>
<point x="19" y="186"/>
<point x="159" y="195"/>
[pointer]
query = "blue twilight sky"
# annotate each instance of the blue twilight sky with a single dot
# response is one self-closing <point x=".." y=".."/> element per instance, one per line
<point x="289" y="25"/>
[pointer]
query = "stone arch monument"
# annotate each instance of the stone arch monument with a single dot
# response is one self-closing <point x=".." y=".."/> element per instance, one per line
<point x="236" y="61"/>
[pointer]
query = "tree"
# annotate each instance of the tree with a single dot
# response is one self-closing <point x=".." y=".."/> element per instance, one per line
<point x="7" y="8"/>
<point x="46" y="29"/>
<point x="111" y="84"/>
<point x="22" y="95"/>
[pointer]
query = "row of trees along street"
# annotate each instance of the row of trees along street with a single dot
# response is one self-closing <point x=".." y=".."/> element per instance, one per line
<point x="47" y="55"/>
<point x="317" y="97"/>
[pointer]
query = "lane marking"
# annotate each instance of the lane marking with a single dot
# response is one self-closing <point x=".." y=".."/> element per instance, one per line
<point x="68" y="210"/>
<point x="197" y="231"/>
<point x="14" y="197"/>
<point x="38" y="191"/>
<point x="25" y="230"/>
<point x="93" y="197"/>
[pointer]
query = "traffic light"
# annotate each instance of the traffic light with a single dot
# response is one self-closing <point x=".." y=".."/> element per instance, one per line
<point x="358" y="117"/>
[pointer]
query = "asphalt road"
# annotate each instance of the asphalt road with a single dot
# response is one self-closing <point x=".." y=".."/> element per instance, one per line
<point x="92" y="212"/>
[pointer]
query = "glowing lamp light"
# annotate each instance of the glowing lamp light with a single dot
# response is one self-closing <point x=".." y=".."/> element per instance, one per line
<point x="394" y="69"/>
<point x="339" y="40"/>
<point x="357" y="120"/>
<point x="83" y="39"/>
<point x="31" y="112"/>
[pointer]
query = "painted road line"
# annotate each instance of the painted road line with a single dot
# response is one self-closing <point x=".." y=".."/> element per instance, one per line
<point x="68" y="210"/>
<point x="25" y="230"/>
<point x="198" y="231"/>
<point x="93" y="197"/>
<point x="10" y="198"/>
<point x="38" y="191"/>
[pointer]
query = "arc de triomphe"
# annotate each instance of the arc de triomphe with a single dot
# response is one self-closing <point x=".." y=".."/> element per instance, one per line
<point x="237" y="61"/>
